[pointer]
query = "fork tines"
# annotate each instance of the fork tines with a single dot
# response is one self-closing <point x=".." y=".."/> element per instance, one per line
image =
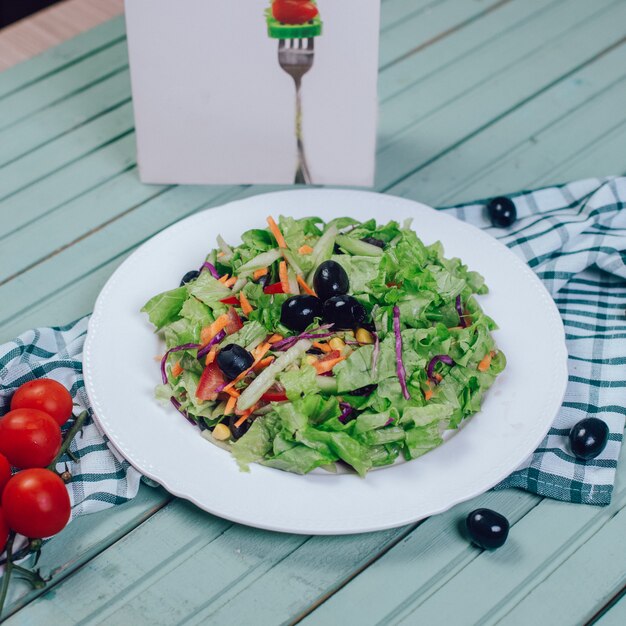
<point x="297" y="44"/>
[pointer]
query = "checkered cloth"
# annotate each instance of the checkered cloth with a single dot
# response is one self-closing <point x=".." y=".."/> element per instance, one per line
<point x="573" y="236"/>
<point x="100" y="477"/>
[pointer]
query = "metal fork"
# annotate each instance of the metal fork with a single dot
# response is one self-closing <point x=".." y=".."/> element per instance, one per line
<point x="295" y="56"/>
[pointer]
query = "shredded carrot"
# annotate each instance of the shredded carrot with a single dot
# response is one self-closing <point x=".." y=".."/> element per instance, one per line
<point x="208" y="332"/>
<point x="220" y="253"/>
<point x="428" y="394"/>
<point x="177" y="369"/>
<point x="280" y="240"/>
<point x="230" y="405"/>
<point x="264" y="363"/>
<point x="304" y="286"/>
<point x="438" y="377"/>
<point x="326" y="366"/>
<point x="324" y="347"/>
<point x="231" y="281"/>
<point x="223" y="279"/>
<point x="305" y="249"/>
<point x="210" y="357"/>
<point x="261" y="351"/>
<point x="260" y="273"/>
<point x="483" y="366"/>
<point x="245" y="415"/>
<point x="275" y="338"/>
<point x="246" y="307"/>
<point x="284" y="278"/>
<point x="232" y="392"/>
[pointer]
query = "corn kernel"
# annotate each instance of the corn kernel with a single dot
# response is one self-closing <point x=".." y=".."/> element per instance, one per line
<point x="364" y="336"/>
<point x="221" y="432"/>
<point x="337" y="344"/>
<point x="310" y="359"/>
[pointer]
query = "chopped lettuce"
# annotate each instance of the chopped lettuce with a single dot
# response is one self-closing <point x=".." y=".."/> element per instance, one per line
<point x="358" y="414"/>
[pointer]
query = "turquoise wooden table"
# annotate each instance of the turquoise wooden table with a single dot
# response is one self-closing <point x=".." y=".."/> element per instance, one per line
<point x="478" y="97"/>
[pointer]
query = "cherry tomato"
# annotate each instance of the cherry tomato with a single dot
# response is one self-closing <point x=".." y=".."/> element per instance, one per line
<point x="29" y="438"/>
<point x="5" y="472"/>
<point x="45" y="395"/>
<point x="211" y="379"/>
<point x="274" y="288"/>
<point x="36" y="504"/>
<point x="4" y="532"/>
<point x="294" y="11"/>
<point x="234" y="322"/>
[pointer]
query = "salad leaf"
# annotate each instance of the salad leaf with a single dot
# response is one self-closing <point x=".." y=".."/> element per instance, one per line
<point x="361" y="270"/>
<point x="209" y="290"/>
<point x="299" y="382"/>
<point x="165" y="307"/>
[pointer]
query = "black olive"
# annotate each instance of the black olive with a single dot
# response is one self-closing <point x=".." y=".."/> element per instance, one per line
<point x="233" y="360"/>
<point x="374" y="242"/>
<point x="368" y="390"/>
<point x="189" y="276"/>
<point x="487" y="529"/>
<point x="502" y="212"/>
<point x="343" y="312"/>
<point x="298" y="312"/>
<point x="315" y="351"/>
<point x="238" y="431"/>
<point x="588" y="438"/>
<point x="337" y="249"/>
<point x="330" y="280"/>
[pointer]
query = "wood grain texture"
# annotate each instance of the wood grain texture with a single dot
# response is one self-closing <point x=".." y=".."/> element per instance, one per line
<point x="477" y="97"/>
<point x="32" y="35"/>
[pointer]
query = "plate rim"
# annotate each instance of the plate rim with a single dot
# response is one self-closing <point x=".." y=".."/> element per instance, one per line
<point x="555" y="400"/>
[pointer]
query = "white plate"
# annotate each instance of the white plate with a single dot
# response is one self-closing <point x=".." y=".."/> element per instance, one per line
<point x="121" y="373"/>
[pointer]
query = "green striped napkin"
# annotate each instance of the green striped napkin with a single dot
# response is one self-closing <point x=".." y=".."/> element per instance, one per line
<point x="573" y="236"/>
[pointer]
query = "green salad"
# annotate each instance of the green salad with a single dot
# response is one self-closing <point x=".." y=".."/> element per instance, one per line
<point x="314" y="343"/>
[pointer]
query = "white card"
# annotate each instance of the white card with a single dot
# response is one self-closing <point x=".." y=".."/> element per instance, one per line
<point x="215" y="100"/>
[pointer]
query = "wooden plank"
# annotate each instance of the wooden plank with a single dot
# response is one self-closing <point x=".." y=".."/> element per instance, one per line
<point x="506" y="156"/>
<point x="482" y="65"/>
<point x="394" y="11"/>
<point x="512" y="16"/>
<point x="431" y="136"/>
<point x="51" y="26"/>
<point x="588" y="579"/>
<point x="52" y="156"/>
<point x="86" y="213"/>
<point x="63" y="117"/>
<point x="61" y="56"/>
<point x="435" y="563"/>
<point x="615" y="616"/>
<point x="57" y="86"/>
<point x="69" y="183"/>
<point x="85" y="538"/>
<point x="417" y="28"/>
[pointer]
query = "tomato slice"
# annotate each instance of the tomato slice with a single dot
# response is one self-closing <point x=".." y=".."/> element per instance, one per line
<point x="274" y="394"/>
<point x="211" y="379"/>
<point x="294" y="11"/>
<point x="234" y="322"/>
<point x="231" y="300"/>
<point x="274" y="288"/>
